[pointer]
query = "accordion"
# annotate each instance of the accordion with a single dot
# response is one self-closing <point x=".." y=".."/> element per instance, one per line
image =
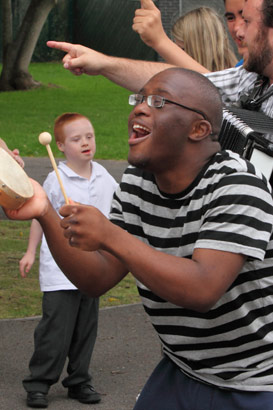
<point x="250" y="134"/>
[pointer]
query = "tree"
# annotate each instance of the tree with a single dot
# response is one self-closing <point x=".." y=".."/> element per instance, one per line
<point x="17" y="52"/>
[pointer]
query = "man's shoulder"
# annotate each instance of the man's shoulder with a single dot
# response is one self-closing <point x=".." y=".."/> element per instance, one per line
<point x="230" y="161"/>
<point x="232" y="75"/>
<point x="227" y="163"/>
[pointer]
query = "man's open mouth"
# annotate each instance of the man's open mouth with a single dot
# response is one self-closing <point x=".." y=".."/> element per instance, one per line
<point x="140" y="131"/>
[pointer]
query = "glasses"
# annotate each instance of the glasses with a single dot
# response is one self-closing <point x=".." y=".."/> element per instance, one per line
<point x="156" y="101"/>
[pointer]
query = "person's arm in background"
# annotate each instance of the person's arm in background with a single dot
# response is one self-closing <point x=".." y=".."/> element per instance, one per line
<point x="147" y="23"/>
<point x="35" y="236"/>
<point x="130" y="74"/>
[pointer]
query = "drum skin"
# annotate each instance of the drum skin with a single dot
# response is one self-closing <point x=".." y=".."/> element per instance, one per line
<point x="15" y="186"/>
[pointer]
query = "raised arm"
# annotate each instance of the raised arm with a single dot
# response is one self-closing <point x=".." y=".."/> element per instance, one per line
<point x="130" y="74"/>
<point x="147" y="23"/>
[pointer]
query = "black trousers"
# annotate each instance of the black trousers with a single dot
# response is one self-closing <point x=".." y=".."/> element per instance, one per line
<point x="68" y="329"/>
<point x="168" y="388"/>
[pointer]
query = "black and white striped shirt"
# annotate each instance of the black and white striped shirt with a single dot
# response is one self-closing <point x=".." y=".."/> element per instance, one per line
<point x="228" y="207"/>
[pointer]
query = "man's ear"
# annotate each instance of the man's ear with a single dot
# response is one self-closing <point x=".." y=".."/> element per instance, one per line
<point x="200" y="130"/>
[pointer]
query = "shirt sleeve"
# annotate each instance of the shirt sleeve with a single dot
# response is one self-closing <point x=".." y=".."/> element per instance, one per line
<point x="239" y="217"/>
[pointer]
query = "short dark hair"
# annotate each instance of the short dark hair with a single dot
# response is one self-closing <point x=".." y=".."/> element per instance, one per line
<point x="207" y="92"/>
<point x="267" y="13"/>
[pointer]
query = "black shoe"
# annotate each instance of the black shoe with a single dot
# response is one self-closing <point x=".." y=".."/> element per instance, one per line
<point x="84" y="393"/>
<point x="37" y="400"/>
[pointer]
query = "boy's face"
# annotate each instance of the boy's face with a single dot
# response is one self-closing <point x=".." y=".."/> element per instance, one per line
<point x="79" y="141"/>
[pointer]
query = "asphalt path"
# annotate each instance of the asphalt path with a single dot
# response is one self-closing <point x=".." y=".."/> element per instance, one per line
<point x="126" y="351"/>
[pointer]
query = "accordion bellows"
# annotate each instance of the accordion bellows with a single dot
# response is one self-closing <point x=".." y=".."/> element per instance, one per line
<point x="250" y="134"/>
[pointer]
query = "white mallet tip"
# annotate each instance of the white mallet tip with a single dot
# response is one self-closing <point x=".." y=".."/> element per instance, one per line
<point x="45" y="138"/>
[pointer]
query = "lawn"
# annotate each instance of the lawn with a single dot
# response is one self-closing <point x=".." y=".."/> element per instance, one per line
<point x="25" y="114"/>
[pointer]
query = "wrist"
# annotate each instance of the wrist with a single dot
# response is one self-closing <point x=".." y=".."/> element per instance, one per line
<point x="163" y="44"/>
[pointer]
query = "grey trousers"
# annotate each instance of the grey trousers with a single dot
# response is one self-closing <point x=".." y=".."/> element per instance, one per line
<point x="67" y="329"/>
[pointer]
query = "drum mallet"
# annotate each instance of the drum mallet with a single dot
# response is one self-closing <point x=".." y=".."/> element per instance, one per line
<point x="45" y="139"/>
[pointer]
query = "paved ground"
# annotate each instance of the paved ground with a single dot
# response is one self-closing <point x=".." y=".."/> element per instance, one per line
<point x="126" y="350"/>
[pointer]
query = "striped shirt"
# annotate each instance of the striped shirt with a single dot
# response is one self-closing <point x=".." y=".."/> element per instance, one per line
<point x="235" y="82"/>
<point x="228" y="207"/>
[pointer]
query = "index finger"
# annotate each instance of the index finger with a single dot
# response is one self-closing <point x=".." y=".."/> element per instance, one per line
<point x="60" y="45"/>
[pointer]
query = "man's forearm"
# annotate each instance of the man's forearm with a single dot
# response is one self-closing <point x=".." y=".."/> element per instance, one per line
<point x="131" y="74"/>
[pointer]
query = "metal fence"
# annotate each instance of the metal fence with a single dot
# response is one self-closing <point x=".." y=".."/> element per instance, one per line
<point x="105" y="25"/>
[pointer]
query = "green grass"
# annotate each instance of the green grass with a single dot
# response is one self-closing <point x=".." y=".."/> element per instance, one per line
<point x="21" y="297"/>
<point x="25" y="114"/>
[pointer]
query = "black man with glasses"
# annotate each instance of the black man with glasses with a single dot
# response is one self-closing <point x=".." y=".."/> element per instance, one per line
<point x="193" y="224"/>
<point x="157" y="101"/>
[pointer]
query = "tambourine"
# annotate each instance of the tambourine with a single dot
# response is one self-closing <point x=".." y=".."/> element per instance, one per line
<point x="15" y="186"/>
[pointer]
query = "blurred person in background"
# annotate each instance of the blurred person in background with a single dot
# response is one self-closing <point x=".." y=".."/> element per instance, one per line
<point x="201" y="40"/>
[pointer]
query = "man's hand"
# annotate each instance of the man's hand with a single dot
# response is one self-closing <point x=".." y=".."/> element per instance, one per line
<point x="147" y="23"/>
<point x="34" y="208"/>
<point x="85" y="227"/>
<point x="79" y="59"/>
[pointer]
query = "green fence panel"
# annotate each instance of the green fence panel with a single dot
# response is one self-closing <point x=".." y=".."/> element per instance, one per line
<point x="106" y="26"/>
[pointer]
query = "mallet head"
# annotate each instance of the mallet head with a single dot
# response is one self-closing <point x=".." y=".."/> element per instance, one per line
<point x="45" y="138"/>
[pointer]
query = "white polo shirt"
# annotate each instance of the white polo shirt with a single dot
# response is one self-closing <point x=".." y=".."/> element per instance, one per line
<point x="97" y="191"/>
